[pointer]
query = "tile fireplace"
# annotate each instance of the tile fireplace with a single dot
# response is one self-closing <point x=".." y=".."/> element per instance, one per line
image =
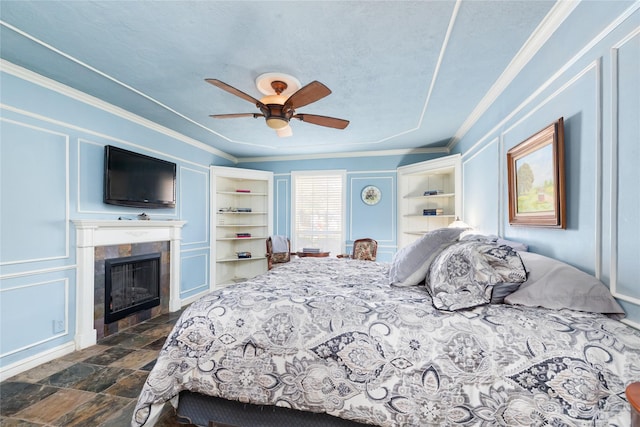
<point x="122" y="237"/>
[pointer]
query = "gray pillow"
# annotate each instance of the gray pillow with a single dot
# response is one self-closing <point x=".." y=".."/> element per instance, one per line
<point x="555" y="285"/>
<point x="410" y="264"/>
<point x="501" y="290"/>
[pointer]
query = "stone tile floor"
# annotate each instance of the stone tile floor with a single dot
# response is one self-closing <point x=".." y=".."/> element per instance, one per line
<point x="94" y="387"/>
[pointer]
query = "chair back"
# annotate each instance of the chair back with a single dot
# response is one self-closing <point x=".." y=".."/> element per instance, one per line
<point x="277" y="257"/>
<point x="365" y="249"/>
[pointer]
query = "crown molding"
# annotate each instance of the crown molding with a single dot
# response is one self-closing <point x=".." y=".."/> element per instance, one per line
<point x="377" y="153"/>
<point x="40" y="80"/>
<point x="556" y="16"/>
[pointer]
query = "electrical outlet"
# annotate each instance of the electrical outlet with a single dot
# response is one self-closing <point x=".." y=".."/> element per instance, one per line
<point x="58" y="326"/>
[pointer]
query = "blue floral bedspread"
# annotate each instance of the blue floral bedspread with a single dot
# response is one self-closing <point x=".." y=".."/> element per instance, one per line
<point x="331" y="335"/>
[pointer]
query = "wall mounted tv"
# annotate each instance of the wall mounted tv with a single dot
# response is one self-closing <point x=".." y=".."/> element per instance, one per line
<point x="133" y="179"/>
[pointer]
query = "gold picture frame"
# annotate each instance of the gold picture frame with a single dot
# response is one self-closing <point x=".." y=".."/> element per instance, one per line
<point x="535" y="169"/>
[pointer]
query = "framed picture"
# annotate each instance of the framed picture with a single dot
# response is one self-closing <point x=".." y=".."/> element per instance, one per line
<point x="535" y="170"/>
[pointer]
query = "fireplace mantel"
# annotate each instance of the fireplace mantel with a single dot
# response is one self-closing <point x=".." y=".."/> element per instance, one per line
<point x="94" y="233"/>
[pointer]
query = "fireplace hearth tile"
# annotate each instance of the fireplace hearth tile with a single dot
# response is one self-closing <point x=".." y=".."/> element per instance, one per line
<point x="156" y="345"/>
<point x="135" y="360"/>
<point x="109" y="356"/>
<point x="93" y="412"/>
<point x="67" y="378"/>
<point x="129" y="386"/>
<point x="55" y="406"/>
<point x="102" y="379"/>
<point x="17" y="395"/>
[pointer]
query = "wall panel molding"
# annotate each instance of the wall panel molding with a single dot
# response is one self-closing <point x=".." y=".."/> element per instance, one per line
<point x="615" y="164"/>
<point x="204" y="215"/>
<point x="202" y="287"/>
<point x="356" y="183"/>
<point x="282" y="206"/>
<point x="595" y="67"/>
<point x="53" y="336"/>
<point x="45" y="223"/>
<point x="467" y="160"/>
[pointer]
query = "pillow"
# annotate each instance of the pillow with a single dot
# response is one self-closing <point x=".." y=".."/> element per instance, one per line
<point x="465" y="275"/>
<point x="501" y="290"/>
<point x="555" y="285"/>
<point x="517" y="246"/>
<point x="410" y="264"/>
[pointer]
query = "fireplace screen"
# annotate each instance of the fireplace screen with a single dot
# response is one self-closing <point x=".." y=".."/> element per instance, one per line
<point x="131" y="284"/>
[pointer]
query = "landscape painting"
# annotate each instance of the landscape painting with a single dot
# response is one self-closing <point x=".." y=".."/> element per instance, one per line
<point x="535" y="170"/>
<point x="535" y="183"/>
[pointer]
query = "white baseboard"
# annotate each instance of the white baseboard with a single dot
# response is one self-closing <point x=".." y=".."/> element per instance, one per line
<point x="186" y="301"/>
<point x="20" y="366"/>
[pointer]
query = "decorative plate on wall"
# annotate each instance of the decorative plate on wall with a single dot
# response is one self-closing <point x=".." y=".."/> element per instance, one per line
<point x="371" y="195"/>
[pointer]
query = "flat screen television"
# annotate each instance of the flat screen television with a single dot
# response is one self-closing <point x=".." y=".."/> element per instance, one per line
<point x="136" y="180"/>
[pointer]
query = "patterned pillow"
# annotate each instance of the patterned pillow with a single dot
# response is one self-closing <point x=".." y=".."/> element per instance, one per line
<point x="410" y="264"/>
<point x="464" y="274"/>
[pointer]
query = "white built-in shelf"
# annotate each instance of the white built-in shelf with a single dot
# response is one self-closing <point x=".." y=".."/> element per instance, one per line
<point x="241" y="193"/>
<point x="429" y="216"/>
<point x="253" y="258"/>
<point x="442" y="174"/>
<point x="431" y="196"/>
<point x="227" y="268"/>
<point x="243" y="238"/>
<point x="242" y="213"/>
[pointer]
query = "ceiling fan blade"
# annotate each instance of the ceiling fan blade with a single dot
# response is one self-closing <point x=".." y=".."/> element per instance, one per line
<point x="236" y="115"/>
<point x="312" y="92"/>
<point x="234" y="91"/>
<point x="330" y="122"/>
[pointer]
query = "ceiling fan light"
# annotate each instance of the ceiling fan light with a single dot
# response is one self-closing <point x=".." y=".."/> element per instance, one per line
<point x="284" y="132"/>
<point x="277" y="123"/>
<point x="274" y="99"/>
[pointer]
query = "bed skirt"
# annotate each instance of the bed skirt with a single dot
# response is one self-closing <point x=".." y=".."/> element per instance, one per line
<point x="200" y="410"/>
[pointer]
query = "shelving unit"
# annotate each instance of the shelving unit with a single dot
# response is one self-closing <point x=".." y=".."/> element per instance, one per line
<point x="442" y="175"/>
<point x="241" y="204"/>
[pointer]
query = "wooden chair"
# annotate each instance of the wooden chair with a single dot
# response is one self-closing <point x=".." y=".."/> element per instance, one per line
<point x="277" y="257"/>
<point x="363" y="249"/>
<point x="633" y="396"/>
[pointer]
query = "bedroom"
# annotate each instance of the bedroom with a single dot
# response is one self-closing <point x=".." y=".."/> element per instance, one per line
<point x="585" y="71"/>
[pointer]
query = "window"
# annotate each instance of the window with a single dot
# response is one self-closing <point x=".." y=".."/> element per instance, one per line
<point x="318" y="199"/>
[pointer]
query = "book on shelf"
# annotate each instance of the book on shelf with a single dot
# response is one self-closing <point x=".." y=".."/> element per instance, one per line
<point x="242" y="255"/>
<point x="243" y="191"/>
<point x="429" y="212"/>
<point x="311" y="250"/>
<point x="243" y="209"/>
<point x="432" y="192"/>
<point x="243" y="235"/>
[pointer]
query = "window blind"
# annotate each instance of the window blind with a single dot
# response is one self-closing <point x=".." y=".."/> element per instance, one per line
<point x="318" y="210"/>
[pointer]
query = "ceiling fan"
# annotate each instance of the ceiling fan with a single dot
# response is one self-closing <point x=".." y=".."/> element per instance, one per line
<point x="278" y="110"/>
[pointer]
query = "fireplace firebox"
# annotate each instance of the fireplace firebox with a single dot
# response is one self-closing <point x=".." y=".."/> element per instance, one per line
<point x="131" y="284"/>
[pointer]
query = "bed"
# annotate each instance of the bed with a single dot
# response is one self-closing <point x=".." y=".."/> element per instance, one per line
<point x="452" y="332"/>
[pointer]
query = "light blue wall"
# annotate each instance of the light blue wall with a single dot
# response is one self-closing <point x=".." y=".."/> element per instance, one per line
<point x="593" y="81"/>
<point x="51" y="167"/>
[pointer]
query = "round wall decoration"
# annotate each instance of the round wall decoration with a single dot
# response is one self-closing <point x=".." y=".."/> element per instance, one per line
<point x="371" y="195"/>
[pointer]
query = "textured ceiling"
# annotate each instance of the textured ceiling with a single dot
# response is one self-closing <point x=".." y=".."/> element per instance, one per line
<point x="405" y="74"/>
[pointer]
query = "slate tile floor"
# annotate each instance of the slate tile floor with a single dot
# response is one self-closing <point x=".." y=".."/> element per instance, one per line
<point x="94" y="387"/>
